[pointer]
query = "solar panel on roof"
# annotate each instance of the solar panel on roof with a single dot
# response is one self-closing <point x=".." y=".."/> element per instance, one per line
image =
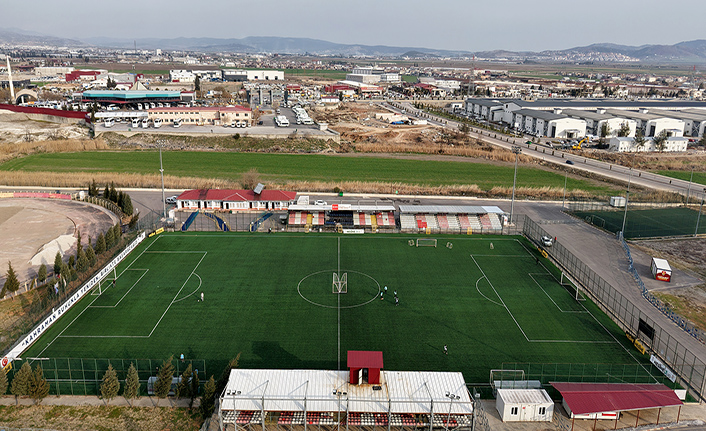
<point x="259" y="188"/>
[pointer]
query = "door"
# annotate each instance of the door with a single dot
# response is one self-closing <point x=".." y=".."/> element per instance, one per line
<point x="360" y="376"/>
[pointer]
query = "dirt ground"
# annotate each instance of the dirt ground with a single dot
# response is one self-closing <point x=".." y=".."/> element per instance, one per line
<point x="688" y="254"/>
<point x="89" y="418"/>
<point x="33" y="230"/>
<point x="19" y="128"/>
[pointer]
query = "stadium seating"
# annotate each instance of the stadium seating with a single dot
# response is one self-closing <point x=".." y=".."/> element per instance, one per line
<point x="485" y="222"/>
<point x="495" y="221"/>
<point x="453" y="222"/>
<point x="408" y="222"/>
<point x="443" y="221"/>
<point x="464" y="222"/>
<point x="432" y="223"/>
<point x="475" y="222"/>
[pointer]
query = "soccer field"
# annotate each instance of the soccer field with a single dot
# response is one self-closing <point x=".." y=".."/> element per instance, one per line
<point x="271" y="297"/>
<point x="646" y="223"/>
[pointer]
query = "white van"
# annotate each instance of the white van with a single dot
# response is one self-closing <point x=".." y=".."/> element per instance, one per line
<point x="177" y="122"/>
<point x="135" y="122"/>
<point x="108" y="122"/>
<point x="145" y="123"/>
<point x="157" y="123"/>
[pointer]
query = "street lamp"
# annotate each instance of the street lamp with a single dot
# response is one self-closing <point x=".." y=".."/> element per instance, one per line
<point x="452" y="397"/>
<point x="161" y="172"/>
<point x="627" y="198"/>
<point x="516" y="150"/>
<point x="688" y="190"/>
<point x="563" y="201"/>
<point x="698" y="218"/>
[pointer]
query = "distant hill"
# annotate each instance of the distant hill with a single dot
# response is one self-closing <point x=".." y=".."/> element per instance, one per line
<point x="690" y="52"/>
<point x="19" y="37"/>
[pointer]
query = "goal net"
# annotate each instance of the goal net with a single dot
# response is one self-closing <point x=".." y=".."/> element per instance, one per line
<point x="340" y="283"/>
<point x="426" y="242"/>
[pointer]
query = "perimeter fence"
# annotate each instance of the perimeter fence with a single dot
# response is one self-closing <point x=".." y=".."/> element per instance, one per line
<point x="83" y="376"/>
<point x="628" y="313"/>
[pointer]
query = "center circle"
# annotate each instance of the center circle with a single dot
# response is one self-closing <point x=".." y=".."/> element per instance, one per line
<point x="317" y="289"/>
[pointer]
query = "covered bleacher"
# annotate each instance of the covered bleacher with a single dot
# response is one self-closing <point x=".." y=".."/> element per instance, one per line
<point x="321" y="399"/>
<point x="464" y="219"/>
<point x="336" y="217"/>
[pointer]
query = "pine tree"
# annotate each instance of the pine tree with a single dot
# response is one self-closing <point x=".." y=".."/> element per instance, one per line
<point x="164" y="378"/>
<point x="100" y="244"/>
<point x="90" y="255"/>
<point x="3" y="381"/>
<point x="225" y="375"/>
<point x="110" y="385"/>
<point x="81" y="261"/>
<point x="132" y="384"/>
<point x="106" y="192"/>
<point x="57" y="263"/>
<point x="127" y="205"/>
<point x="121" y="198"/>
<point x="42" y="273"/>
<point x="12" y="284"/>
<point x="38" y="385"/>
<point x="65" y="272"/>
<point x="113" y="193"/>
<point x="194" y="392"/>
<point x="118" y="232"/>
<point x="109" y="239"/>
<point x="183" y="389"/>
<point x="20" y="383"/>
<point x="207" y="399"/>
<point x="72" y="262"/>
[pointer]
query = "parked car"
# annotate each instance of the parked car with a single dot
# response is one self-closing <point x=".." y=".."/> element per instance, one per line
<point x="171" y="199"/>
<point x="320" y="202"/>
<point x="547" y="241"/>
<point x="569" y="162"/>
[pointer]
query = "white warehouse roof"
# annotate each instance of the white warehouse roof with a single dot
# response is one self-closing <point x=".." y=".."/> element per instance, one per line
<point x="316" y="391"/>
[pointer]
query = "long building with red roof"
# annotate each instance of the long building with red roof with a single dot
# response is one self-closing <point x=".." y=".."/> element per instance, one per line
<point x="235" y="200"/>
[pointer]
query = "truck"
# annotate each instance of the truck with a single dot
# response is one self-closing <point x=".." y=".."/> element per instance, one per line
<point x="281" y="121"/>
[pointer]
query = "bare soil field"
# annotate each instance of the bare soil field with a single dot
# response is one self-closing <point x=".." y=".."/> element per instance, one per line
<point x="17" y="127"/>
<point x="89" y="418"/>
<point x="688" y="254"/>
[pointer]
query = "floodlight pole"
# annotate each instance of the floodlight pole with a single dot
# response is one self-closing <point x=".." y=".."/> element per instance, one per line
<point x="627" y="198"/>
<point x="563" y="201"/>
<point x="688" y="189"/>
<point x="161" y="172"/>
<point x="698" y="218"/>
<point x="516" y="150"/>
<point x="448" y="418"/>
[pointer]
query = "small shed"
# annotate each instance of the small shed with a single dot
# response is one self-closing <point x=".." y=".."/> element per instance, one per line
<point x="661" y="269"/>
<point x="524" y="405"/>
<point x="364" y="367"/>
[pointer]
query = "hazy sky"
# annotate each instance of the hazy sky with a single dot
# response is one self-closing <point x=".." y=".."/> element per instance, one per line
<point x="470" y="25"/>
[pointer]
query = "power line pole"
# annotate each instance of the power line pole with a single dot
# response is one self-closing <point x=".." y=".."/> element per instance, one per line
<point x="161" y="172"/>
<point x="516" y="150"/>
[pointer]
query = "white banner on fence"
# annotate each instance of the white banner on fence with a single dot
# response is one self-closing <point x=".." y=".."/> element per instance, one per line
<point x="663" y="368"/>
<point x="354" y="231"/>
<point x="63" y="308"/>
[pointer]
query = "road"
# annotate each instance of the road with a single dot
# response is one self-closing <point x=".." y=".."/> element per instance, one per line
<point x="616" y="172"/>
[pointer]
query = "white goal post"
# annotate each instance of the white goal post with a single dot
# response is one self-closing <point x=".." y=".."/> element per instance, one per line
<point x="340" y="283"/>
<point x="426" y="242"/>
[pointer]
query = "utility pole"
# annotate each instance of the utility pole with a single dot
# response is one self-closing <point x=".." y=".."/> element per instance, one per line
<point x="698" y="218"/>
<point x="161" y="172"/>
<point x="563" y="201"/>
<point x="627" y="198"/>
<point x="515" y="150"/>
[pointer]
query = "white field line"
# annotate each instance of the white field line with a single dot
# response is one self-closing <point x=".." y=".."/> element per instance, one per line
<point x="82" y="311"/>
<point x="481" y="293"/>
<point x="500" y="298"/>
<point x="549" y="296"/>
<point x="126" y="293"/>
<point x="177" y="294"/>
<point x="338" y="357"/>
<point x="195" y="290"/>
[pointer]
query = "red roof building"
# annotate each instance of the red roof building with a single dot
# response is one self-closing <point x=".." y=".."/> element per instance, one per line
<point x="583" y="398"/>
<point x="364" y="367"/>
<point x="231" y="200"/>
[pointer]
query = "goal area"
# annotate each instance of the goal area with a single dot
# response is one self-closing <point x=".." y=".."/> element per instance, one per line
<point x="426" y="242"/>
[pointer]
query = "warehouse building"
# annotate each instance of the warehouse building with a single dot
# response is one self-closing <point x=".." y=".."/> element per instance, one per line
<point x="129" y="98"/>
<point x="628" y="145"/>
<point x="486" y="109"/>
<point x="549" y="124"/>
<point x="694" y="121"/>
<point x="238" y="75"/>
<point x="652" y="124"/>
<point x="203" y="115"/>
<point x="596" y="119"/>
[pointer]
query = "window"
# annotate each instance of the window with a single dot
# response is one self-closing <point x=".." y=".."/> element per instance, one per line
<point x="542" y="411"/>
<point x="513" y="411"/>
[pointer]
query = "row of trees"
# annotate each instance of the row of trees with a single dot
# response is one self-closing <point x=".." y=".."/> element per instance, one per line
<point x="33" y="384"/>
<point x="119" y="198"/>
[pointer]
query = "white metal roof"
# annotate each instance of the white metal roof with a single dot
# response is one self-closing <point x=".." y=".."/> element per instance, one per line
<point x="329" y="391"/>
<point x="343" y="207"/>
<point x="450" y="209"/>
<point x="662" y="264"/>
<point x="524" y="396"/>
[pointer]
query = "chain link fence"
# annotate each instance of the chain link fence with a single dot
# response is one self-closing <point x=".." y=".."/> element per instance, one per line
<point x="627" y="314"/>
<point x="83" y="376"/>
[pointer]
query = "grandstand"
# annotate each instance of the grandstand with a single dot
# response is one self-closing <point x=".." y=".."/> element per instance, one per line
<point x="369" y="217"/>
<point x="451" y="219"/>
<point x="255" y="398"/>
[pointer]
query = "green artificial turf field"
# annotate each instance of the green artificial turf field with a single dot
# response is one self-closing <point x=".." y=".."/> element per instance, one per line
<point x="648" y="223"/>
<point x="271" y="298"/>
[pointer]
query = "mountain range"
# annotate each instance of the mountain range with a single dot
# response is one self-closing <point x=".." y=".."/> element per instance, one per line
<point x="691" y="52"/>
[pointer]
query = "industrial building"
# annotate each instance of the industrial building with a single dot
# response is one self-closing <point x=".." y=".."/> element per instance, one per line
<point x="372" y="75"/>
<point x="549" y="124"/>
<point x="235" y="200"/>
<point x="252" y="75"/>
<point x="651" y="124"/>
<point x="596" y="119"/>
<point x="131" y="98"/>
<point x="203" y="115"/>
<point x="694" y="120"/>
<point x="628" y="145"/>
